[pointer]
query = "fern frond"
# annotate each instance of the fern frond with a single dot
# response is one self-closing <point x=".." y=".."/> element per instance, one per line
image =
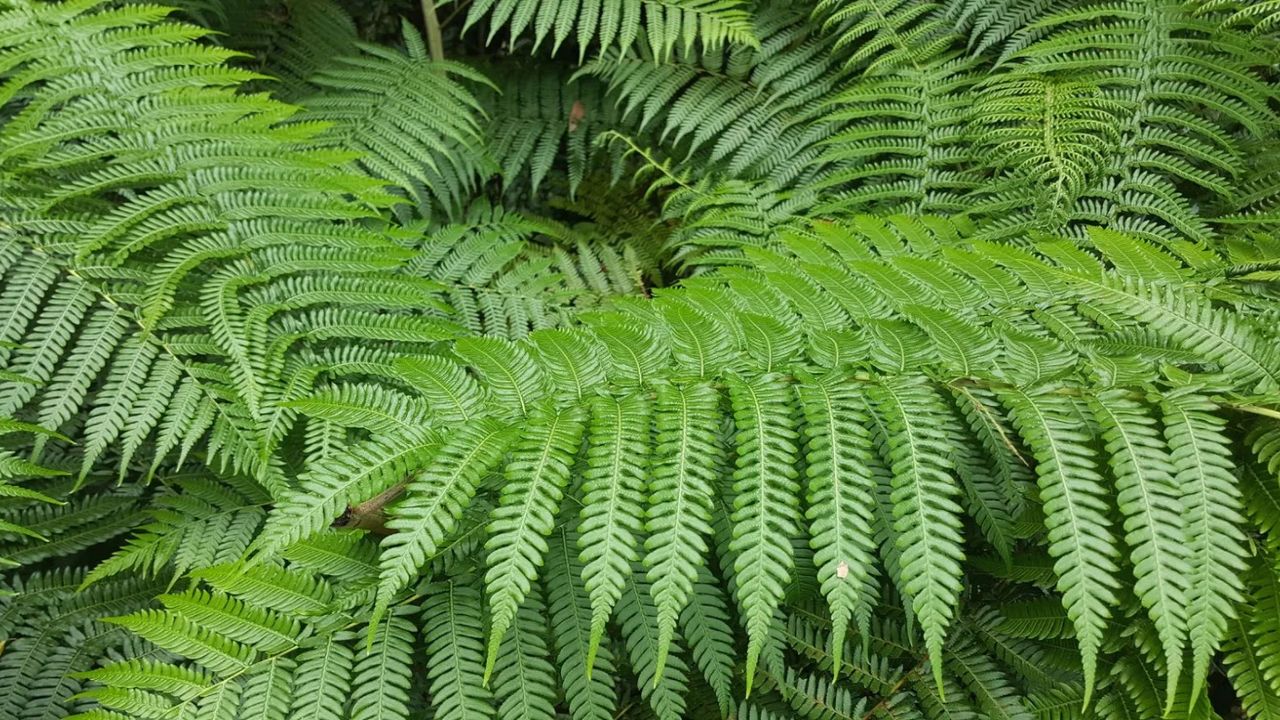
<point x="436" y="497"/>
<point x="1153" y="511"/>
<point x="412" y="121"/>
<point x="840" y="489"/>
<point x="523" y="677"/>
<point x="666" y="24"/>
<point x="681" y="487"/>
<point x="537" y="476"/>
<point x="613" y="483"/>
<point x="637" y="616"/>
<point x="887" y="34"/>
<point x="455" y="652"/>
<point x="590" y="695"/>
<point x="765" y="505"/>
<point x="1212" y="517"/>
<point x="926" y="516"/>
<point x="1075" y="515"/>
<point x="383" y="673"/>
<point x="1166" y="70"/>
<point x="326" y="490"/>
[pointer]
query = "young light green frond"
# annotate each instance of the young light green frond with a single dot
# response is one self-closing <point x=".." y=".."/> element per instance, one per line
<point x="346" y="555"/>
<point x="765" y="504"/>
<point x="1183" y="98"/>
<point x="1049" y="133"/>
<point x="1190" y="322"/>
<point x="613" y="489"/>
<point x="570" y="361"/>
<point x="536" y="478"/>
<point x="265" y="630"/>
<point x="633" y="350"/>
<point x="179" y="681"/>
<point x="182" y="636"/>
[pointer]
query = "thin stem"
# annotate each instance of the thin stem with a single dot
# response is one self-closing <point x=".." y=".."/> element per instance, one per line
<point x="1256" y="410"/>
<point x="435" y="41"/>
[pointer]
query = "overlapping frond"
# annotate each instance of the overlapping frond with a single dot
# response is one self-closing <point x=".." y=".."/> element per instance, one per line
<point x="1188" y="89"/>
<point x="412" y="120"/>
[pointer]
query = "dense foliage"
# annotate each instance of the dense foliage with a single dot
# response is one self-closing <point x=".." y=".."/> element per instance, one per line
<point x="602" y="359"/>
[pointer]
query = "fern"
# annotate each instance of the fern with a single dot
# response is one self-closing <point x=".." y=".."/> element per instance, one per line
<point x="639" y="382"/>
<point x="752" y="111"/>
<point x="666" y="24"/>
<point x="422" y="136"/>
<point x="1158" y="67"/>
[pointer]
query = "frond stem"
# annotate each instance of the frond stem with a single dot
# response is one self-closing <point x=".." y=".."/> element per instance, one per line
<point x="435" y="40"/>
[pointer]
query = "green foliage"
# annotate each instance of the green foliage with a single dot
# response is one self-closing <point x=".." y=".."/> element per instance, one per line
<point x="666" y="24"/>
<point x="413" y="124"/>
<point x="659" y="358"/>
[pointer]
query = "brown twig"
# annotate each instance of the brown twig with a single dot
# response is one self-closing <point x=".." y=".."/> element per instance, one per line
<point x="371" y="514"/>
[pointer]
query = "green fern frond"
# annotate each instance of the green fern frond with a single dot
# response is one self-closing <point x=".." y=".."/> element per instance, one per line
<point x="590" y="695"/>
<point x="637" y="616"/>
<point x="437" y="495"/>
<point x="326" y="490"/>
<point x="887" y="34"/>
<point x="903" y="147"/>
<point x="410" y="118"/>
<point x="765" y="505"/>
<point x="662" y="24"/>
<point x="1165" y="69"/>
<point x="1153" y="518"/>
<point x="1212" y="516"/>
<point x="202" y="522"/>
<point x="1076" y="516"/>
<point x="537" y="476"/>
<point x="383" y="673"/>
<point x="613" y="484"/>
<point x="751" y="111"/>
